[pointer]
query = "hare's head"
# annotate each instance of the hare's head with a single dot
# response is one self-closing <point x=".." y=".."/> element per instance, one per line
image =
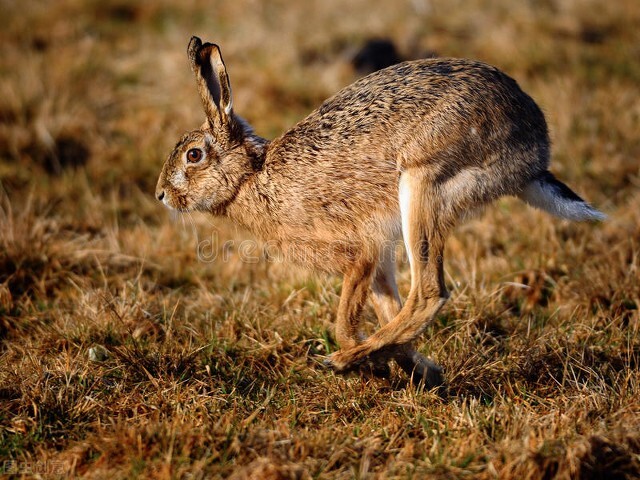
<point x="208" y="166"/>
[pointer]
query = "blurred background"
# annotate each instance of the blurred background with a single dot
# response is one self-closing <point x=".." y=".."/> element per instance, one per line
<point x="93" y="96"/>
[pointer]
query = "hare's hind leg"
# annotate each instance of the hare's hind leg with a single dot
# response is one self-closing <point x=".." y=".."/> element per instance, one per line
<point x="387" y="304"/>
<point x="426" y="219"/>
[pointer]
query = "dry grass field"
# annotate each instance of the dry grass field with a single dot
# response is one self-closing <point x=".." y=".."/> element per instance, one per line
<point x="133" y="344"/>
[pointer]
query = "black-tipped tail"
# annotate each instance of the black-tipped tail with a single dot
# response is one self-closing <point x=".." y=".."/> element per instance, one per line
<point x="551" y="195"/>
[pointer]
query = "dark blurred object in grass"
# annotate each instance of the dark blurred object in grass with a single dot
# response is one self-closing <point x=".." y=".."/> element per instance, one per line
<point x="377" y="53"/>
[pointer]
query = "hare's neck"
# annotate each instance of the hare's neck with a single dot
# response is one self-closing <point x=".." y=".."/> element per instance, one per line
<point x="253" y="206"/>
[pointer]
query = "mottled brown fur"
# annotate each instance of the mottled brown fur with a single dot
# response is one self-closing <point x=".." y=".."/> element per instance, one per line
<point x="454" y="134"/>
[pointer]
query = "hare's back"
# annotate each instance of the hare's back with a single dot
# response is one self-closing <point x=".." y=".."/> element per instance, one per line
<point x="432" y="100"/>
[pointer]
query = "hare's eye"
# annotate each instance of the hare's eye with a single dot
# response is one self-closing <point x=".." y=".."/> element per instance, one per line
<point x="194" y="155"/>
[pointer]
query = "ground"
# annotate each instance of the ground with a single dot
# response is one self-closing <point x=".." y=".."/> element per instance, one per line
<point x="137" y="345"/>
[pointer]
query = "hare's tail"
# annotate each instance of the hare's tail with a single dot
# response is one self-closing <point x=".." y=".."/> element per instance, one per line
<point x="548" y="193"/>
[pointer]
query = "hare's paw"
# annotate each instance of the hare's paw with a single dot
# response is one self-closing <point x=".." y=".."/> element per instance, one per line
<point x="345" y="361"/>
<point x="339" y="363"/>
<point x="421" y="370"/>
<point x="355" y="359"/>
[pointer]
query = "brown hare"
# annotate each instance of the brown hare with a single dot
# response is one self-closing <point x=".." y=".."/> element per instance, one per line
<point x="404" y="152"/>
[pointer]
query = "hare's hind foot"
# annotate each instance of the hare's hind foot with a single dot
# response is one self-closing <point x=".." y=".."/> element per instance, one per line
<point x="421" y="370"/>
<point x="375" y="368"/>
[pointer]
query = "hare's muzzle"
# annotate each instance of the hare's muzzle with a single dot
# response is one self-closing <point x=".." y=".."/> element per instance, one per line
<point x="160" y="192"/>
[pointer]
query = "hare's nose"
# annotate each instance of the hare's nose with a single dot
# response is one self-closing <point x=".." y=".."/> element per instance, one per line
<point x="160" y="195"/>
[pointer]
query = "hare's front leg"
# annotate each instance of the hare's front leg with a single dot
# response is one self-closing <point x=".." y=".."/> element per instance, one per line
<point x="355" y="290"/>
<point x="387" y="304"/>
<point x="426" y="217"/>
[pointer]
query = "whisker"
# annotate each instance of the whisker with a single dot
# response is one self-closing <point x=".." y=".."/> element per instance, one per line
<point x="193" y="226"/>
<point x="184" y="227"/>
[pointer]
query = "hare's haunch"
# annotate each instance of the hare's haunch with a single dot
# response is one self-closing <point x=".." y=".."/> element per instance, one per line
<point x="406" y="151"/>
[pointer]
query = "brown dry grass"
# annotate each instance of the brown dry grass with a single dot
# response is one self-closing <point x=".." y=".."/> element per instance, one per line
<point x="211" y="369"/>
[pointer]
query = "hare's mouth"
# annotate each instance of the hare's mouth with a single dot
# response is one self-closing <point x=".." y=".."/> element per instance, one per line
<point x="168" y="205"/>
<point x="171" y="208"/>
<point x="175" y="203"/>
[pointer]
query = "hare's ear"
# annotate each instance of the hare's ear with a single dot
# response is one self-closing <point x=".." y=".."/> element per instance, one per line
<point x="213" y="81"/>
